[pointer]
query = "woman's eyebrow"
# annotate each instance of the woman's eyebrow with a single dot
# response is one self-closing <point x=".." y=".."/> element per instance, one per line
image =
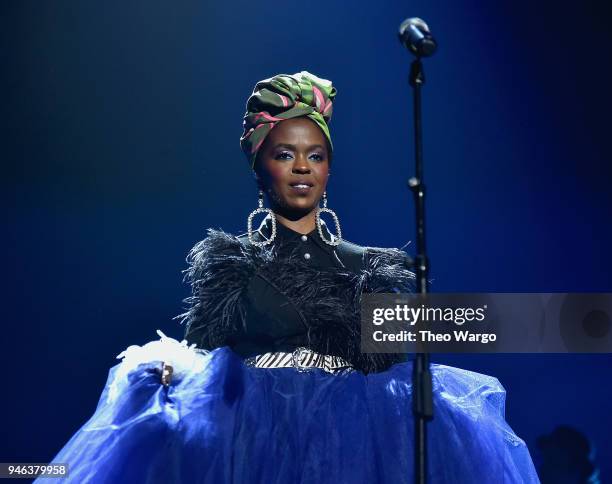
<point x="285" y="145"/>
<point x="292" y="147"/>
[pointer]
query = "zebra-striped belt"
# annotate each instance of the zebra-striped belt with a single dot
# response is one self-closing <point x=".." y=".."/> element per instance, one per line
<point x="302" y="359"/>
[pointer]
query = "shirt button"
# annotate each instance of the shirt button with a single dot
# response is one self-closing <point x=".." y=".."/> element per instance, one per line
<point x="304" y="238"/>
<point x="306" y="256"/>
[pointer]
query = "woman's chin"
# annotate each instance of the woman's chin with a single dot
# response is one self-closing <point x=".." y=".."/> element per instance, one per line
<point x="297" y="208"/>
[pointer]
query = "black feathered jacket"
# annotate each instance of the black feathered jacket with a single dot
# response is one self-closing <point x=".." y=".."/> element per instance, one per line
<point x="297" y="291"/>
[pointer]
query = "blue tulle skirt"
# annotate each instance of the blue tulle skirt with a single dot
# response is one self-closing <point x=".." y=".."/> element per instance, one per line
<point x="221" y="421"/>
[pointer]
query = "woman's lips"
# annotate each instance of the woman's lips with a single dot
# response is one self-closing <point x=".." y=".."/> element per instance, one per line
<point x="302" y="188"/>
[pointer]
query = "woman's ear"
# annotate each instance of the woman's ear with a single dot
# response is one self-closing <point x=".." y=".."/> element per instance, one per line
<point x="258" y="180"/>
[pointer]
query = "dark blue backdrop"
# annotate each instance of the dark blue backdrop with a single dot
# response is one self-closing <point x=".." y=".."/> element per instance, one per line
<point x="120" y="132"/>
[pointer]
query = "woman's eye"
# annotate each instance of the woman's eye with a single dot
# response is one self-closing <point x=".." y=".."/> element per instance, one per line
<point x="283" y="155"/>
<point x="287" y="155"/>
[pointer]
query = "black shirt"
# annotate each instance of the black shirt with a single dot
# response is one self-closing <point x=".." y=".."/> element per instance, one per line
<point x="296" y="291"/>
<point x="273" y="323"/>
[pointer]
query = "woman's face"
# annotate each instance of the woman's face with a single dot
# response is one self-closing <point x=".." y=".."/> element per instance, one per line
<point x="293" y="166"/>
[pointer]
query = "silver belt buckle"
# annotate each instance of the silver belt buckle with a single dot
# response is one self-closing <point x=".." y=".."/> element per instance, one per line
<point x="295" y="358"/>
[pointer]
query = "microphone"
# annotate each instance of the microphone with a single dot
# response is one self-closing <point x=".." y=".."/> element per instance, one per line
<point x="415" y="35"/>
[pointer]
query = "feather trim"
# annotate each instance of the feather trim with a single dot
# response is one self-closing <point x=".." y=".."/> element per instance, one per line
<point x="184" y="359"/>
<point x="220" y="267"/>
<point x="328" y="299"/>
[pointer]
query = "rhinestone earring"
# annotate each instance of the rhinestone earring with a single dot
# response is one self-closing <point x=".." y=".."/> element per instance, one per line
<point x="261" y="209"/>
<point x="335" y="240"/>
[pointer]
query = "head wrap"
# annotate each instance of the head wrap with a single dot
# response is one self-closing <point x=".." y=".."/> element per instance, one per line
<point x="283" y="97"/>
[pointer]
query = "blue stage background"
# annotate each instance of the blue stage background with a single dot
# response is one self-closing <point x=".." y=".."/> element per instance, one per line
<point x="120" y="147"/>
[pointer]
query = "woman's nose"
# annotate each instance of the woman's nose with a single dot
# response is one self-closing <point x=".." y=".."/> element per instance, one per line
<point x="300" y="165"/>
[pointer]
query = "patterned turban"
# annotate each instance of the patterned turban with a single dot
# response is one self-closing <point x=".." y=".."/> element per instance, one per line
<point x="283" y="97"/>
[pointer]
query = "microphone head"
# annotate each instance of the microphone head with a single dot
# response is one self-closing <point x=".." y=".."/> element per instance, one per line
<point x="415" y="21"/>
<point x="415" y="35"/>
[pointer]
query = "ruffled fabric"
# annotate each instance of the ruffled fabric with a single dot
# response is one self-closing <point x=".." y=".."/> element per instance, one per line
<point x="220" y="421"/>
<point x="182" y="357"/>
<point x="328" y="299"/>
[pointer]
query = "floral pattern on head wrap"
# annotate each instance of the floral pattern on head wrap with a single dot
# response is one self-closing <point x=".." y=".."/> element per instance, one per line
<point x="282" y="97"/>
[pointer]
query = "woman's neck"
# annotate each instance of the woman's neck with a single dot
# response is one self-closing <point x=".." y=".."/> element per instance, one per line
<point x="303" y="225"/>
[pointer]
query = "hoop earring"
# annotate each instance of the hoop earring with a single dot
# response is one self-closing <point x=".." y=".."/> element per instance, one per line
<point x="261" y="209"/>
<point x="320" y="210"/>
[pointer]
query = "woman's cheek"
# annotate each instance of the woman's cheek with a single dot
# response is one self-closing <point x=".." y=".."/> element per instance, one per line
<point x="278" y="173"/>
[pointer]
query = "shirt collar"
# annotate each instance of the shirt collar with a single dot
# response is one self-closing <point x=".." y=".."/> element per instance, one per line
<point x="285" y="234"/>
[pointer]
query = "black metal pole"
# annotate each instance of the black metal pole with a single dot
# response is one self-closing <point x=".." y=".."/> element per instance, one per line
<point x="422" y="397"/>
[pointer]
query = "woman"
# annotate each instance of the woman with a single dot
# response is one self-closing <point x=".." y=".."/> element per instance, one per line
<point x="274" y="387"/>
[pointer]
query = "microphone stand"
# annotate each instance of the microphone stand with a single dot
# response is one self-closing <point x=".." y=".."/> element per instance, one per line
<point x="422" y="395"/>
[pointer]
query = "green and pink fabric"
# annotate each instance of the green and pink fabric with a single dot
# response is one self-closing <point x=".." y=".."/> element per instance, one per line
<point x="283" y="97"/>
